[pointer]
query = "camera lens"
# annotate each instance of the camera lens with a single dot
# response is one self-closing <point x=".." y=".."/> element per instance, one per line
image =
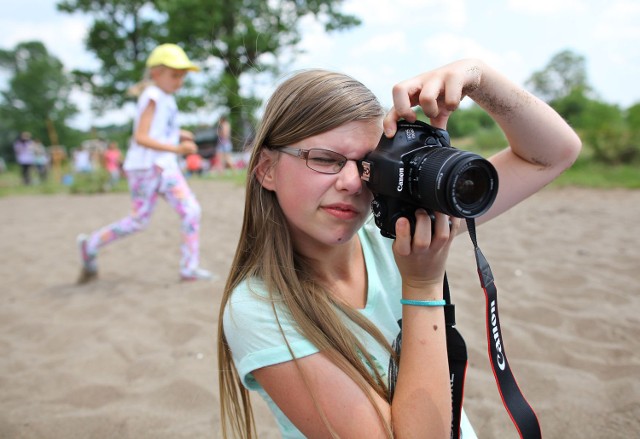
<point x="458" y="183"/>
<point x="470" y="187"/>
<point x="473" y="187"/>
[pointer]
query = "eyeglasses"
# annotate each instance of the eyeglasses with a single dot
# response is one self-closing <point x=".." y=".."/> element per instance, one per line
<point x="320" y="160"/>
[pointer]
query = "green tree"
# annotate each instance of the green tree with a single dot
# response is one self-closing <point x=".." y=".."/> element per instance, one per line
<point x="608" y="134"/>
<point x="565" y="73"/>
<point x="468" y="121"/>
<point x="233" y="40"/>
<point x="249" y="37"/>
<point x="633" y="117"/>
<point x="37" y="97"/>
<point x="121" y="36"/>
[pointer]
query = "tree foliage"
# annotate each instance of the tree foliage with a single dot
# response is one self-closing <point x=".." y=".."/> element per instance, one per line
<point x="121" y="36"/>
<point x="243" y="38"/>
<point x="601" y="126"/>
<point x="608" y="134"/>
<point x="37" y="97"/>
<point x="469" y="121"/>
<point x="565" y="73"/>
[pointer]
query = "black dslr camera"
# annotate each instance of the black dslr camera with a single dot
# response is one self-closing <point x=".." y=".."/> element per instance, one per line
<point x="418" y="168"/>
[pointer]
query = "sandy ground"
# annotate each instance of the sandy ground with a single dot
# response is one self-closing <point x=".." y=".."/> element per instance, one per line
<point x="133" y="355"/>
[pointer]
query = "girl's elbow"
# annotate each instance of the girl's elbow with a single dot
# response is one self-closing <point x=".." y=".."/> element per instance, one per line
<point x="139" y="138"/>
<point x="571" y="150"/>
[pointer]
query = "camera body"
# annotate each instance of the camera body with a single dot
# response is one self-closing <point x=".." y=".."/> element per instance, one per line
<point x="418" y="168"/>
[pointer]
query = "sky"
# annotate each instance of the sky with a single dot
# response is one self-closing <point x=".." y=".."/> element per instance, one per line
<point x="399" y="39"/>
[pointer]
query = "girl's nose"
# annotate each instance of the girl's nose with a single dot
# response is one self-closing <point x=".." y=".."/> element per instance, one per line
<point x="349" y="178"/>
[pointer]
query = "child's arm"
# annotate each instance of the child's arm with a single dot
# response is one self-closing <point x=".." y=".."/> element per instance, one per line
<point x="143" y="138"/>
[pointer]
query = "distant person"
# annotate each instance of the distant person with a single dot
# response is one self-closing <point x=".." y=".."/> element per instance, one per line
<point x="224" y="159"/>
<point x="25" y="155"/>
<point x="40" y="160"/>
<point x="112" y="159"/>
<point x="58" y="156"/>
<point x="194" y="164"/>
<point x="151" y="166"/>
<point x="96" y="156"/>
<point x="82" y="160"/>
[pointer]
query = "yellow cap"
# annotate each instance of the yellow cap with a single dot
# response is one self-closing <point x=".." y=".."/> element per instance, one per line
<point x="171" y="55"/>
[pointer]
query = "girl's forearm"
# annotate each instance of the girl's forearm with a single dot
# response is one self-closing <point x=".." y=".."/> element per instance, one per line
<point x="149" y="142"/>
<point x="535" y="132"/>
<point x="422" y="400"/>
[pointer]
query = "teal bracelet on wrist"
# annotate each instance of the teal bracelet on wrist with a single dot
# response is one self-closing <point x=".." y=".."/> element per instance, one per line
<point x="423" y="302"/>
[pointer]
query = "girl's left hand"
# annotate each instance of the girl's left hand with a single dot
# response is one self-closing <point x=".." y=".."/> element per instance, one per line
<point x="187" y="147"/>
<point x="421" y="258"/>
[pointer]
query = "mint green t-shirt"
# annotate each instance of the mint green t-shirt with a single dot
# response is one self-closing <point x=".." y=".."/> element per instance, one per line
<point x="256" y="340"/>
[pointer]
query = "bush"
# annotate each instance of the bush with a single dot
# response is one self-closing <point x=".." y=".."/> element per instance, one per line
<point x="90" y="182"/>
<point x="487" y="141"/>
<point x="467" y="122"/>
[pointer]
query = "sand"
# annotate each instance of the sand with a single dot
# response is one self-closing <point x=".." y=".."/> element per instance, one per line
<point x="133" y="355"/>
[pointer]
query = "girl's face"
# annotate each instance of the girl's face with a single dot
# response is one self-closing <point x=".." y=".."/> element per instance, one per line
<point x="167" y="79"/>
<point x="324" y="209"/>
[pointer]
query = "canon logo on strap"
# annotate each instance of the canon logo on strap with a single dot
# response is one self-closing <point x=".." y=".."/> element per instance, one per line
<point x="496" y="336"/>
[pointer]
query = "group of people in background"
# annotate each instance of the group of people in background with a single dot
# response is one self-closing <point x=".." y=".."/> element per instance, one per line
<point x="33" y="157"/>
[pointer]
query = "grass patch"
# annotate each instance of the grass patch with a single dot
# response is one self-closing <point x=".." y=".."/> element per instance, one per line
<point x="238" y="176"/>
<point x="60" y="182"/>
<point x="595" y="175"/>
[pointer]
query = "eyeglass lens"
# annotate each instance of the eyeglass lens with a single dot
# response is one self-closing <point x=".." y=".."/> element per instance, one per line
<point x="325" y="161"/>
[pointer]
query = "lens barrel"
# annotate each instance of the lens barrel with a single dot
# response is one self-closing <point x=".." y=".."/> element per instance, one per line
<point x="457" y="183"/>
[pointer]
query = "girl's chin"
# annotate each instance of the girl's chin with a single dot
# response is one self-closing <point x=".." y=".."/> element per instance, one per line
<point x="344" y="237"/>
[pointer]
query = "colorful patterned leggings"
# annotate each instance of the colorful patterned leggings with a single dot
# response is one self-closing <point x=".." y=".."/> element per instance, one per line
<point x="145" y="186"/>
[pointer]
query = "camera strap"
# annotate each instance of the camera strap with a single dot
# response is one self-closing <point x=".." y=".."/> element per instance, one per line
<point x="457" y="355"/>
<point x="521" y="413"/>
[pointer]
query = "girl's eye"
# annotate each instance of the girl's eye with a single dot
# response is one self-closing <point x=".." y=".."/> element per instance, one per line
<point x="325" y="161"/>
<point x="324" y="156"/>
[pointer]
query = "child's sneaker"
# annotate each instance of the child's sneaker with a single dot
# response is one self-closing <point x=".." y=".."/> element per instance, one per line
<point x="198" y="274"/>
<point x="89" y="266"/>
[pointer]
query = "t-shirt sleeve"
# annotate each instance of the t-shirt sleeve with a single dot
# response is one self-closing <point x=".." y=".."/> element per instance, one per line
<point x="150" y="93"/>
<point x="254" y="336"/>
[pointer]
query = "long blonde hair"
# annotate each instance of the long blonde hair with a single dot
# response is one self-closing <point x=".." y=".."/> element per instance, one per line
<point x="309" y="103"/>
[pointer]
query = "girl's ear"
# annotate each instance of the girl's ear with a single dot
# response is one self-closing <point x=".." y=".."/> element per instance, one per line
<point x="154" y="71"/>
<point x="265" y="170"/>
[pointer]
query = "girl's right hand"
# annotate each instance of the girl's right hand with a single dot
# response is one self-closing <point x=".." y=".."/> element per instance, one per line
<point x="439" y="92"/>
<point x="187" y="147"/>
<point x="421" y="258"/>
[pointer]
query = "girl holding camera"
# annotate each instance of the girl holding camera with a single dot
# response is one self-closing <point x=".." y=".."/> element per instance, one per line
<point x="313" y="301"/>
